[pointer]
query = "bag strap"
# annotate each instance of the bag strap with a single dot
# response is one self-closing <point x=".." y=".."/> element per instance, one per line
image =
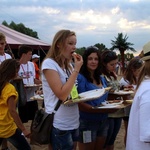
<point x="57" y="106"/>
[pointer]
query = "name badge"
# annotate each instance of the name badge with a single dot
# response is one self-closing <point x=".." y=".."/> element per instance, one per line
<point x="74" y="93"/>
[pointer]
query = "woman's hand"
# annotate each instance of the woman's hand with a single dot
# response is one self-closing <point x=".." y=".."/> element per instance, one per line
<point x="78" y="61"/>
<point x="26" y="133"/>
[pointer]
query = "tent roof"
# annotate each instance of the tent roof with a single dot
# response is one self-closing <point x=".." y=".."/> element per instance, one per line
<point x="14" y="39"/>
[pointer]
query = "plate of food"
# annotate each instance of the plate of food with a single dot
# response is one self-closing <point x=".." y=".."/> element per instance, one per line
<point x="37" y="97"/>
<point x="112" y="102"/>
<point x="86" y="96"/>
<point x="108" y="88"/>
<point x="123" y="92"/>
<point x="129" y="101"/>
<point x="107" y="106"/>
<point x="32" y="85"/>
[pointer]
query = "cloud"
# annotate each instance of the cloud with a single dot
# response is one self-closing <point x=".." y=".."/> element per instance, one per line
<point x="115" y="10"/>
<point x="94" y="21"/>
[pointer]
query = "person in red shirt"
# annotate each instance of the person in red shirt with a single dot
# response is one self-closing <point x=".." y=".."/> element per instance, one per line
<point x="35" y="59"/>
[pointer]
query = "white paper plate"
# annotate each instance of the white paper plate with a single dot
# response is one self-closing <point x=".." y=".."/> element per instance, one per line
<point x="32" y="85"/>
<point x="120" y="106"/>
<point x="37" y="97"/>
<point x="106" y="106"/>
<point x="121" y="92"/>
<point x="106" y="103"/>
<point x="86" y="96"/>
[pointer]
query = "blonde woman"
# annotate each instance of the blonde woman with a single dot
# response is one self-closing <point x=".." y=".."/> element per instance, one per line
<point x="58" y="79"/>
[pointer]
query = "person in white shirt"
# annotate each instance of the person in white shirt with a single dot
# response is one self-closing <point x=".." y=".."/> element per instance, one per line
<point x="58" y="79"/>
<point x="27" y="72"/>
<point x="138" y="135"/>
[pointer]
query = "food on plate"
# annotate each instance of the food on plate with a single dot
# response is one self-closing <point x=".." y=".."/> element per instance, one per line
<point x="107" y="88"/>
<point x="128" y="88"/>
<point x="114" y="101"/>
<point x="129" y="101"/>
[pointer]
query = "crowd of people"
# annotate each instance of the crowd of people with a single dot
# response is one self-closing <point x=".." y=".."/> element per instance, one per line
<point x="61" y="73"/>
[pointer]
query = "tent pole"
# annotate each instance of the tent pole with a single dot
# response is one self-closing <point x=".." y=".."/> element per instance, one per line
<point x="42" y="50"/>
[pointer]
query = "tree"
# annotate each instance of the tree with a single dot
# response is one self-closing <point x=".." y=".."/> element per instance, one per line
<point x="122" y="45"/>
<point x="101" y="46"/>
<point x="80" y="50"/>
<point x="21" y="28"/>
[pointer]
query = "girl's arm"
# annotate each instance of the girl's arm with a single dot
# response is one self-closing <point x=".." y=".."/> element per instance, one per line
<point x="12" y="109"/>
<point x="88" y="108"/>
<point x="62" y="90"/>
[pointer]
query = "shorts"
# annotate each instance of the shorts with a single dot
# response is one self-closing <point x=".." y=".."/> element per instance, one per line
<point x="127" y="111"/>
<point x="90" y="130"/>
<point x="64" y="139"/>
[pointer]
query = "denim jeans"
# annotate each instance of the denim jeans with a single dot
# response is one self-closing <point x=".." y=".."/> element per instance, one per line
<point x="64" y="139"/>
<point x="114" y="127"/>
<point x="19" y="141"/>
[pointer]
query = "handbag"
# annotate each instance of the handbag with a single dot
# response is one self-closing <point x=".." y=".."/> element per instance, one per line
<point x="22" y="98"/>
<point x="42" y="125"/>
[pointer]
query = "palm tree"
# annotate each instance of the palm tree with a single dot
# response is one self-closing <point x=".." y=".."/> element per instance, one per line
<point x="122" y="45"/>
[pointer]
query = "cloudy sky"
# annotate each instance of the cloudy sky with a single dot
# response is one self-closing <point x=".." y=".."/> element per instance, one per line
<point x="94" y="21"/>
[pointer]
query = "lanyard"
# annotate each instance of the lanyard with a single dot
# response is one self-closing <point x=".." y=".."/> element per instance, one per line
<point x="26" y="72"/>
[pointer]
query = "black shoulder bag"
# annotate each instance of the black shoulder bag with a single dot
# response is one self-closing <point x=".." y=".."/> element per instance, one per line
<point x="42" y="125"/>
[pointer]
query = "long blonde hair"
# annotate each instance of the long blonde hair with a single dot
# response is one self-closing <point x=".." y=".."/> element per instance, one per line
<point x="145" y="71"/>
<point x="55" y="51"/>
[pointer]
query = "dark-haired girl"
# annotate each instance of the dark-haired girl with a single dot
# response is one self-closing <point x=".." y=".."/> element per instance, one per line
<point x="11" y="127"/>
<point x="93" y="122"/>
<point x="109" y="61"/>
<point x="129" y="81"/>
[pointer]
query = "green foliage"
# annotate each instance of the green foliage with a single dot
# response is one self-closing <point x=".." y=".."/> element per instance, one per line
<point x="80" y="50"/>
<point x="5" y="23"/>
<point x="21" y="28"/>
<point x="101" y="47"/>
<point x="120" y="43"/>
